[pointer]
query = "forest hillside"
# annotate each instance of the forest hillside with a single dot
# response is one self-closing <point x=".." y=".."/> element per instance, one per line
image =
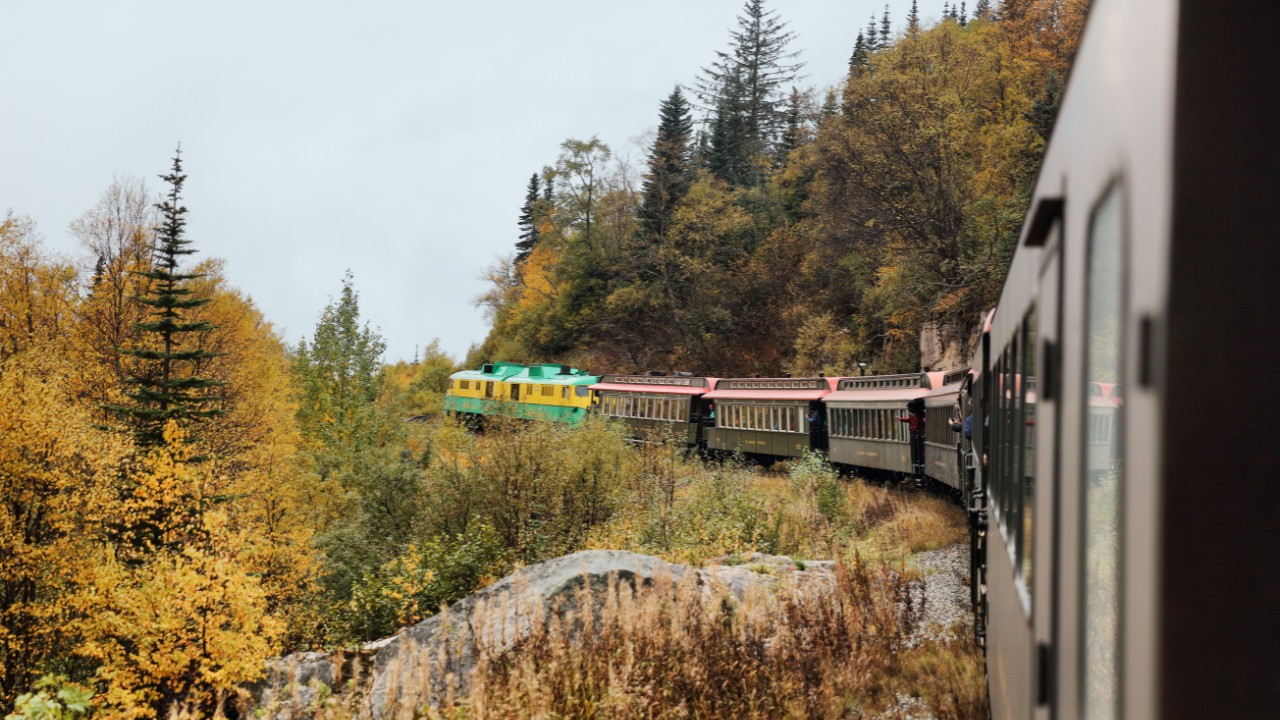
<point x="778" y="228"/>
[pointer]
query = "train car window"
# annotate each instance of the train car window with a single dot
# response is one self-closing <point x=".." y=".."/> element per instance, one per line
<point x="1013" y="480"/>
<point x="999" y="486"/>
<point x="1027" y="447"/>
<point x="1013" y="470"/>
<point x="1103" y="483"/>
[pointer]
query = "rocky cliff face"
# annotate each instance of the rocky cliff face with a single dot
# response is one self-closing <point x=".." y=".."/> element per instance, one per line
<point x="435" y="657"/>
<point x="948" y="346"/>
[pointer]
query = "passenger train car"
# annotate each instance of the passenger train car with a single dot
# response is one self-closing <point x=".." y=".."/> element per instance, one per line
<point x="868" y="428"/>
<point x="667" y="407"/>
<point x="1126" y="491"/>
<point x="779" y="417"/>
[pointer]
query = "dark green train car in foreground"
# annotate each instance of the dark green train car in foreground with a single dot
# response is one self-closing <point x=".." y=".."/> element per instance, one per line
<point x="532" y="392"/>
<point x="665" y="406"/>
<point x="782" y="417"/>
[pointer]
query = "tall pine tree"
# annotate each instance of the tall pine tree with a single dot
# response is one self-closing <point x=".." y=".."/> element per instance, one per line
<point x="169" y="386"/>
<point x="744" y="88"/>
<point x="670" y="166"/>
<point x="795" y="133"/>
<point x="528" y="223"/>
<point x="861" y="54"/>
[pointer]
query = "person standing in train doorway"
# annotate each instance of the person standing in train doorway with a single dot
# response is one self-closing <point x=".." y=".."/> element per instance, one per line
<point x="915" y="424"/>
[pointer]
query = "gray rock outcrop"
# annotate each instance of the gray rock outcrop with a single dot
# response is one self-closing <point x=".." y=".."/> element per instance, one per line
<point x="438" y="654"/>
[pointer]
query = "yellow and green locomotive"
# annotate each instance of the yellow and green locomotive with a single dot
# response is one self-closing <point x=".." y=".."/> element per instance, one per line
<point x="533" y="392"/>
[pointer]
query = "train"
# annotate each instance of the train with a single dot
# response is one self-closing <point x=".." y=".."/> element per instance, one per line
<point x="862" y="422"/>
<point x="1123" y="495"/>
<point x="1125" y="503"/>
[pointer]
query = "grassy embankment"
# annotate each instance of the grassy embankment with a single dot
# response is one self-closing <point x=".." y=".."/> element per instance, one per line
<point x="675" y="650"/>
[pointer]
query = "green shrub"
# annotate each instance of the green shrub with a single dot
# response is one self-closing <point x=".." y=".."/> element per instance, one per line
<point x="54" y="698"/>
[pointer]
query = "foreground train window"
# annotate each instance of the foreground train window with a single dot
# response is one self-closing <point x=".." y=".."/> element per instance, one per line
<point x="1103" y="435"/>
<point x="1027" y="389"/>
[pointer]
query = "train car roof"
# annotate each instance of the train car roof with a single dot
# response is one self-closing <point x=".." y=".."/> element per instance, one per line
<point x="898" y="388"/>
<point x="773" y="388"/>
<point x="544" y="374"/>
<point x="893" y="394"/>
<point x="662" y="384"/>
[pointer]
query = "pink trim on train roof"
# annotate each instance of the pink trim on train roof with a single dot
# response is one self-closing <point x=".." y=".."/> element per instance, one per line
<point x="766" y="394"/>
<point x="879" y="395"/>
<point x="771" y="393"/>
<point x="662" y="389"/>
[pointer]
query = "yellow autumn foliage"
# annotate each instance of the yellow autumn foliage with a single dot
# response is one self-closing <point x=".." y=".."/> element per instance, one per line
<point x="176" y="615"/>
<point x="55" y="480"/>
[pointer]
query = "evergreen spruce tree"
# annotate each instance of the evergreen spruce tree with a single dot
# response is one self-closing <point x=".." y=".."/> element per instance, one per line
<point x="964" y="14"/>
<point x="913" y="20"/>
<point x="731" y="146"/>
<point x="169" y="387"/>
<point x="528" y="223"/>
<point x="670" y="165"/>
<point x="794" y="134"/>
<point x="830" y="106"/>
<point x="873" y="33"/>
<point x="743" y="89"/>
<point x="861" y="56"/>
<point x="982" y="10"/>
<point x="1044" y="111"/>
<point x="99" y="270"/>
<point x="885" y="28"/>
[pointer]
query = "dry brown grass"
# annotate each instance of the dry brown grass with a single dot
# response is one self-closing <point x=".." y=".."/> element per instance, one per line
<point x="846" y="649"/>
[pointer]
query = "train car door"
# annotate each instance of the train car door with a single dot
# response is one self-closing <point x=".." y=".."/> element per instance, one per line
<point x="818" y="426"/>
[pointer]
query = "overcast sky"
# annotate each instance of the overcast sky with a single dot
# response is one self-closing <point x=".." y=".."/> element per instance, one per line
<point x="391" y="138"/>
